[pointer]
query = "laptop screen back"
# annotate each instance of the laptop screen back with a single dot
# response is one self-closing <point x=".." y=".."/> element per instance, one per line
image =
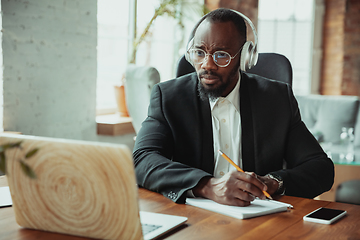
<point x="82" y="188"/>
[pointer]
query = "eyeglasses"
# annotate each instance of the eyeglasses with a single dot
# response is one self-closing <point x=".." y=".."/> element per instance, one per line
<point x="221" y="58"/>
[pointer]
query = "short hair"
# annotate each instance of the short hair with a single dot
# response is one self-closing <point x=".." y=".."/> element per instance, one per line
<point x="224" y="15"/>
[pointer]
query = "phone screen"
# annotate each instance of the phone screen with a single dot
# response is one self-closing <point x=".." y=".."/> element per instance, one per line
<point x="325" y="213"/>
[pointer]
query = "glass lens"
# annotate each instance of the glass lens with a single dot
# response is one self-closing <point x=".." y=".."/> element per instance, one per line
<point x="222" y="58"/>
<point x="197" y="55"/>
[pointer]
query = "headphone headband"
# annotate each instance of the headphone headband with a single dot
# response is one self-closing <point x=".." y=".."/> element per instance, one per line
<point x="250" y="24"/>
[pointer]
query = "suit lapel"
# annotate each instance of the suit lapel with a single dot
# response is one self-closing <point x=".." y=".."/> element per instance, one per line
<point x="200" y="129"/>
<point x="247" y="128"/>
<point x="207" y="158"/>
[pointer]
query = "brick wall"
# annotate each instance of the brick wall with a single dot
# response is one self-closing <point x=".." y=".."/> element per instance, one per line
<point x="351" y="67"/>
<point x="341" y="46"/>
<point x="49" y="60"/>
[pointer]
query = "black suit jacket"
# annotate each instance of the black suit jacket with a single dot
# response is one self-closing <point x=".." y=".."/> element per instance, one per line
<point x="174" y="147"/>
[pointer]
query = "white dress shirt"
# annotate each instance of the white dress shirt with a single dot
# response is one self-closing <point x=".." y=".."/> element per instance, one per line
<point x="226" y="123"/>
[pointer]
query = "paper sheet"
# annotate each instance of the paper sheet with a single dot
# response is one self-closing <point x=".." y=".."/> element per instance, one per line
<point x="5" y="197"/>
<point x="257" y="207"/>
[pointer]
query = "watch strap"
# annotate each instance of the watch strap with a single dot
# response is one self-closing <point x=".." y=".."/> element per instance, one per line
<point x="280" y="181"/>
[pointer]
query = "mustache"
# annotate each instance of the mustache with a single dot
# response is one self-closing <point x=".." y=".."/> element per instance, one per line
<point x="208" y="74"/>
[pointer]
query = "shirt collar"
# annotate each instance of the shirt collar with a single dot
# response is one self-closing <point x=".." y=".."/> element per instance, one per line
<point x="233" y="97"/>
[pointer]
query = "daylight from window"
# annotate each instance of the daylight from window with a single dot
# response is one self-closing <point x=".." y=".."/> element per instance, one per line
<point x="159" y="50"/>
<point x="286" y="27"/>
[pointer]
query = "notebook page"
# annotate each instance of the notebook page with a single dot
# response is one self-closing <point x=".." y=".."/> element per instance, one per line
<point x="5" y="197"/>
<point x="256" y="208"/>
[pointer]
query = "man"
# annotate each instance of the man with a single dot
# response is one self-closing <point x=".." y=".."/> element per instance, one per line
<point x="254" y="120"/>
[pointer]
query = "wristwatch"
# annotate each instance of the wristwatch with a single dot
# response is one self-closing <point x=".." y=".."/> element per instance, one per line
<point x="280" y="181"/>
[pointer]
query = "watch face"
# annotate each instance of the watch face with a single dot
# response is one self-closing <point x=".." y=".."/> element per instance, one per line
<point x="277" y="178"/>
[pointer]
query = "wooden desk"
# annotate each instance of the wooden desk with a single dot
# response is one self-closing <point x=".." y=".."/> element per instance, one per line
<point x="203" y="224"/>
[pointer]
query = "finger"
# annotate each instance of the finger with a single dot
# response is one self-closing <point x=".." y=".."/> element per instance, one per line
<point x="251" y="189"/>
<point x="252" y="185"/>
<point x="240" y="203"/>
<point x="254" y="179"/>
<point x="259" y="178"/>
<point x="243" y="195"/>
<point x="236" y="202"/>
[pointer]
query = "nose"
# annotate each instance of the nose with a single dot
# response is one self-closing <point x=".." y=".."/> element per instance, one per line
<point x="208" y="63"/>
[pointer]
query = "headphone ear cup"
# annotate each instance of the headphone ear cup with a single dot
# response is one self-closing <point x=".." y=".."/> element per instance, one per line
<point x="253" y="57"/>
<point x="246" y="56"/>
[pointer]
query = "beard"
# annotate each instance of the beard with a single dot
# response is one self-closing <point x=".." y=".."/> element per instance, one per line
<point x="208" y="93"/>
<point x="214" y="93"/>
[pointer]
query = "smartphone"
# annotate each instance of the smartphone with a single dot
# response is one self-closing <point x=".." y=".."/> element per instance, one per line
<point x="324" y="215"/>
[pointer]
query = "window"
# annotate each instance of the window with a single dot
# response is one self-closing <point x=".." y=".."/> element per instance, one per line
<point x="159" y="50"/>
<point x="162" y="48"/>
<point x="286" y="27"/>
<point x="113" y="19"/>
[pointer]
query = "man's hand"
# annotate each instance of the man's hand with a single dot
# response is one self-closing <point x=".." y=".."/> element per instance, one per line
<point x="270" y="183"/>
<point x="234" y="188"/>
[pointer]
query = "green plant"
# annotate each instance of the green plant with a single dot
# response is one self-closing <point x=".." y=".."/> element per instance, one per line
<point x="24" y="166"/>
<point x="170" y="8"/>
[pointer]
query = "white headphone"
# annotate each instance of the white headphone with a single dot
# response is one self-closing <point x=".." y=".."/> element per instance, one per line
<point x="249" y="53"/>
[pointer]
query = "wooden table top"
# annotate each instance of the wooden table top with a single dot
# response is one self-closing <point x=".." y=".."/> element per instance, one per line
<point x="203" y="224"/>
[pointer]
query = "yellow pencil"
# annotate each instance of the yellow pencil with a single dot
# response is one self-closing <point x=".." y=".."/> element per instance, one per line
<point x="239" y="169"/>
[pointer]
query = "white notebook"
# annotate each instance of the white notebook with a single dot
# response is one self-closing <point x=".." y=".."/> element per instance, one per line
<point x="256" y="208"/>
<point x="5" y="197"/>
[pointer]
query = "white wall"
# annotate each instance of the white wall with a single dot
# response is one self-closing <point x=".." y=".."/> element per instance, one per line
<point x="50" y="62"/>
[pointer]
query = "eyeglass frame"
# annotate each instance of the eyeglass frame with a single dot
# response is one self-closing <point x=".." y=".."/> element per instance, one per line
<point x="212" y="54"/>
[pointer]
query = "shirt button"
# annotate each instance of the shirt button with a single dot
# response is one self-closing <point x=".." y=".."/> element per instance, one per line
<point x="226" y="146"/>
<point x="222" y="173"/>
<point x="223" y="120"/>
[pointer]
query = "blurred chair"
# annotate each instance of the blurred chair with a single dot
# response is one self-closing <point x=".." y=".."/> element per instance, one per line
<point x="270" y="65"/>
<point x="274" y="66"/>
<point x="184" y="67"/>
<point x="138" y="85"/>
<point x="348" y="192"/>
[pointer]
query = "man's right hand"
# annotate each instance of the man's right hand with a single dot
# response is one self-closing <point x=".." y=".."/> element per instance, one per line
<point x="234" y="188"/>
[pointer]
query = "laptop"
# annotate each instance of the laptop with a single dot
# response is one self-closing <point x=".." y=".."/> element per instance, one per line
<point x="81" y="188"/>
